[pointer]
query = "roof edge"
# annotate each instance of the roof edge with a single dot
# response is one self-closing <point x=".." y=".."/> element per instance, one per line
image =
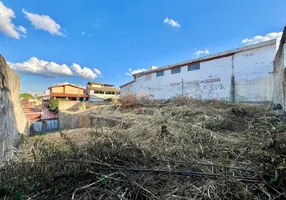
<point x="130" y="82"/>
<point x="65" y="85"/>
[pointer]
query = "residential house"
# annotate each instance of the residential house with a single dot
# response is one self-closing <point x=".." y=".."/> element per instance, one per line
<point x="100" y="91"/>
<point x="69" y="92"/>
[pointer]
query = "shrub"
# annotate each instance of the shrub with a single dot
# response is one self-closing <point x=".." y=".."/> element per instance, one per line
<point x="146" y="99"/>
<point x="108" y="99"/>
<point x="54" y="105"/>
<point x="128" y="101"/>
<point x="181" y="100"/>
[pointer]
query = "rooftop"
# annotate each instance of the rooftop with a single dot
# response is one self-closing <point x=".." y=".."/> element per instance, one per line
<point x="103" y="84"/>
<point x="47" y="114"/>
<point x="67" y="85"/>
<point x="33" y="116"/>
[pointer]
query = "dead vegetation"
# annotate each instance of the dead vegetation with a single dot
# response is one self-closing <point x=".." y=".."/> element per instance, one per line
<point x="209" y="150"/>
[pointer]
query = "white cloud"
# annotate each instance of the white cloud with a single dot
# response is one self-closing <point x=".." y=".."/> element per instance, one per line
<point x="6" y="25"/>
<point x="52" y="69"/>
<point x="22" y="29"/>
<point x="64" y="83"/>
<point x="201" y="52"/>
<point x="83" y="72"/>
<point x="172" y="22"/>
<point x="130" y="73"/>
<point x="44" y="22"/>
<point x="97" y="72"/>
<point x="41" y="67"/>
<point x="260" y="38"/>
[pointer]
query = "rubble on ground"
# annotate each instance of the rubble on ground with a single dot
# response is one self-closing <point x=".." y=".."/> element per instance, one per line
<point x="209" y="150"/>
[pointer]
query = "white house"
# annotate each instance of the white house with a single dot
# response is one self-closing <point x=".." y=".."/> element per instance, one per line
<point x="241" y="74"/>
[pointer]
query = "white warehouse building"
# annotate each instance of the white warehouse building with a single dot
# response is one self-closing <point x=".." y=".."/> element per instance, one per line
<point x="243" y="74"/>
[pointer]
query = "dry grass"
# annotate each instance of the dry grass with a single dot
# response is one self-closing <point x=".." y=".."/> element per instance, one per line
<point x="197" y="151"/>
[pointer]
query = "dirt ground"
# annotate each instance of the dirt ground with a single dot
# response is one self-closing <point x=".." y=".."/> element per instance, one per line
<point x="207" y="150"/>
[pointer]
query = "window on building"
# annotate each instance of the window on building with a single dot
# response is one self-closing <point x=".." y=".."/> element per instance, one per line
<point x="194" y="67"/>
<point x="109" y="92"/>
<point x="176" y="71"/>
<point x="158" y="74"/>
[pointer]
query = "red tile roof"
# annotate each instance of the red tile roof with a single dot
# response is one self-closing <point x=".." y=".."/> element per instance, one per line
<point x="28" y="110"/>
<point x="48" y="114"/>
<point x="33" y="116"/>
<point x="28" y="105"/>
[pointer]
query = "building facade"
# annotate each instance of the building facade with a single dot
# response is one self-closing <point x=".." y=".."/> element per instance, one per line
<point x="243" y="74"/>
<point x="69" y="92"/>
<point x="100" y="91"/>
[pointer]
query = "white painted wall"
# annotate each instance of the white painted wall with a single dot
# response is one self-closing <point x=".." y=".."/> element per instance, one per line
<point x="253" y="74"/>
<point x="252" y="70"/>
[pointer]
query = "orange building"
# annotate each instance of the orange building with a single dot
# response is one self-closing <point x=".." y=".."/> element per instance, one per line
<point x="68" y="91"/>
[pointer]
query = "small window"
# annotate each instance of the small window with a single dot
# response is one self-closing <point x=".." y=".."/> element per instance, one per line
<point x="194" y="67"/>
<point x="176" y="71"/>
<point x="158" y="74"/>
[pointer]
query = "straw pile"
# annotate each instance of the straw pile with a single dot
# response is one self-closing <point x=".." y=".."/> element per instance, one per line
<point x="196" y="151"/>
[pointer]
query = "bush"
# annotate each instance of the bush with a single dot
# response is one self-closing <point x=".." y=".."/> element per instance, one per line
<point x="147" y="99"/>
<point x="54" y="105"/>
<point x="181" y="100"/>
<point x="108" y="99"/>
<point x="128" y="101"/>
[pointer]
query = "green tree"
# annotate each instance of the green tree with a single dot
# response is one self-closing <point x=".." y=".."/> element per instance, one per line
<point x="54" y="105"/>
<point x="26" y="96"/>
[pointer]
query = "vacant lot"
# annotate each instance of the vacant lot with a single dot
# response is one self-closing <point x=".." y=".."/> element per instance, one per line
<point x="197" y="151"/>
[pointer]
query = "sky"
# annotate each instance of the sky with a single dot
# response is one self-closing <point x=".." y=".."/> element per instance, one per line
<point x="76" y="41"/>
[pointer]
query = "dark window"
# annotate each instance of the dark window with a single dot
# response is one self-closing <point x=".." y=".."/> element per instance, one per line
<point x="158" y="74"/>
<point x="194" y="67"/>
<point x="176" y="71"/>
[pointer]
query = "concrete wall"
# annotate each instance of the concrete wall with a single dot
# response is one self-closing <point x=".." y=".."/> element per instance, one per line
<point x="71" y="120"/>
<point x="279" y="76"/>
<point x="242" y="76"/>
<point x="253" y="74"/>
<point x="13" y="120"/>
<point x="64" y="105"/>
<point x="44" y="126"/>
<point x="97" y="97"/>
